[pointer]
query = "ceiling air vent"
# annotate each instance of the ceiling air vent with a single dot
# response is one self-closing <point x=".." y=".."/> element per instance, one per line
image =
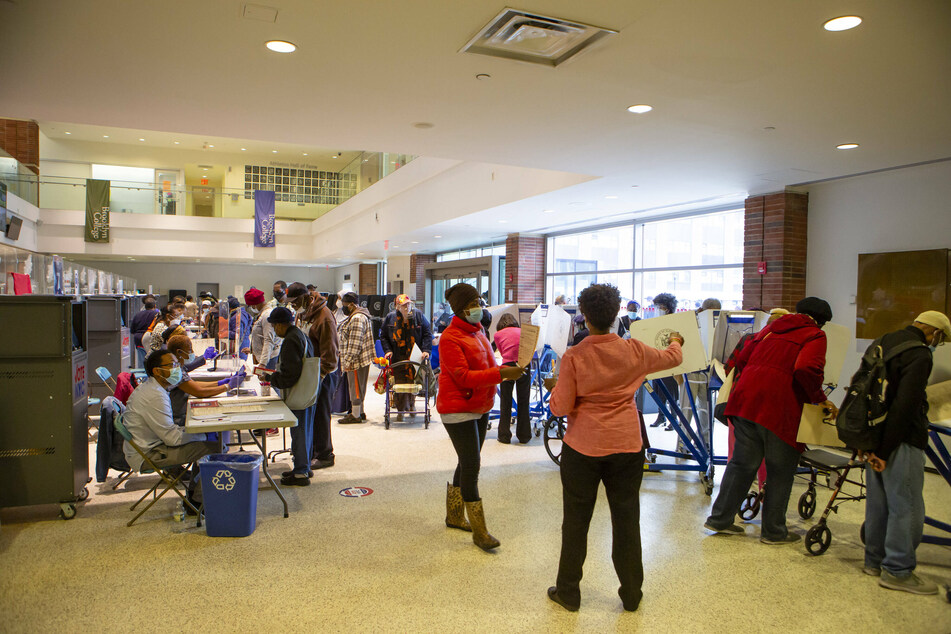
<point x="528" y="37"/>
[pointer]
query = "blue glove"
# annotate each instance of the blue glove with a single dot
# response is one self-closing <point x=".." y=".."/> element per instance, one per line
<point x="225" y="381"/>
<point x="210" y="353"/>
<point x="236" y="379"/>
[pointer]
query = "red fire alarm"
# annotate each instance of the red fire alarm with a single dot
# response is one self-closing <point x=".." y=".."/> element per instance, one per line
<point x="761" y="268"/>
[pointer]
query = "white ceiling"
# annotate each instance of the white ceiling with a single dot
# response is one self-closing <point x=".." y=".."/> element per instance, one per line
<point x="717" y="73"/>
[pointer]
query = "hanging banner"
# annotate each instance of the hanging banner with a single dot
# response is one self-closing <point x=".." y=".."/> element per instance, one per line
<point x="263" y="218"/>
<point x="97" y="210"/>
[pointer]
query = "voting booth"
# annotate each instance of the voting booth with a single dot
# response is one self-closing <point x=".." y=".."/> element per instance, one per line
<point x="44" y="450"/>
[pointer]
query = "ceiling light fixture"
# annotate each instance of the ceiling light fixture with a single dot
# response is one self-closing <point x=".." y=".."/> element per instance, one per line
<point x="305" y="153"/>
<point x="483" y="76"/>
<point x="842" y="23"/>
<point x="273" y="151"/>
<point x="280" y="46"/>
<point x="611" y="197"/>
<point x="177" y="142"/>
<point x="423" y="125"/>
<point x="548" y="211"/>
<point x="437" y="236"/>
<point x="244" y="149"/>
<point x="415" y="242"/>
<point x="640" y="108"/>
<point x="209" y="145"/>
<point x="69" y="133"/>
<point x="105" y="136"/>
<point x="846" y="146"/>
<point x="141" y="139"/>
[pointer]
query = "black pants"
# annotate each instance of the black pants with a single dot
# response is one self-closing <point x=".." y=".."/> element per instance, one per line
<point x="580" y="477"/>
<point x="523" y="391"/>
<point x="467" y="439"/>
<point x="753" y="444"/>
<point x="323" y="447"/>
<point x="671" y="384"/>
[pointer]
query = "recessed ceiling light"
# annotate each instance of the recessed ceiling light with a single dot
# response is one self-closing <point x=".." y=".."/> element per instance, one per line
<point x="842" y="23"/>
<point x="396" y="246"/>
<point x="141" y="139"/>
<point x="423" y="125"/>
<point x="360" y="253"/>
<point x="210" y="145"/>
<point x="205" y="168"/>
<point x="415" y="242"/>
<point x="105" y="136"/>
<point x="281" y="46"/>
<point x="437" y="236"/>
<point x="611" y="197"/>
<point x="305" y="153"/>
<point x="846" y="146"/>
<point x="640" y="108"/>
<point x="273" y="151"/>
<point x="548" y="211"/>
<point x="69" y="133"/>
<point x="244" y="149"/>
<point x="483" y="76"/>
<point x="177" y="142"/>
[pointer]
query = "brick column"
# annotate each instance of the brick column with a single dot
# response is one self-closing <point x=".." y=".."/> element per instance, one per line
<point x="367" y="281"/>
<point x="524" y="269"/>
<point x="775" y="233"/>
<point x="417" y="275"/>
<point x="21" y="140"/>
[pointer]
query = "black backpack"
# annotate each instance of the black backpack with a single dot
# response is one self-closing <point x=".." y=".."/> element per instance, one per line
<point x="864" y="409"/>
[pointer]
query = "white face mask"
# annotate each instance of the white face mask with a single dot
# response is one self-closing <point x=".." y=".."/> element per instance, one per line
<point x="661" y="311"/>
<point x="176" y="321"/>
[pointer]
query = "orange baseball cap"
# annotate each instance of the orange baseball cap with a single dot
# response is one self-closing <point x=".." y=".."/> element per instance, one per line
<point x="402" y="299"/>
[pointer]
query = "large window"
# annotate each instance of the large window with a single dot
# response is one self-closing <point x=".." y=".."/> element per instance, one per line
<point x="693" y="258"/>
<point x="474" y="252"/>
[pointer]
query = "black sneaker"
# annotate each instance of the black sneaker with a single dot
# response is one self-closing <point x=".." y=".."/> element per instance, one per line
<point x="350" y="419"/>
<point x="732" y="529"/>
<point x="658" y="422"/>
<point x="790" y="538"/>
<point x="505" y="441"/>
<point x="553" y="595"/>
<point x="288" y="474"/>
<point x="321" y="464"/>
<point x="294" y="480"/>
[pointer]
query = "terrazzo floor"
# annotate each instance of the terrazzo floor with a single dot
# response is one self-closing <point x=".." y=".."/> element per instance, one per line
<point x="386" y="562"/>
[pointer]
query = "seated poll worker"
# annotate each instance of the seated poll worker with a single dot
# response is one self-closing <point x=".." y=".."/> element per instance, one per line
<point x="595" y="389"/>
<point x="148" y="417"/>
<point x="181" y="347"/>
<point x="295" y="347"/>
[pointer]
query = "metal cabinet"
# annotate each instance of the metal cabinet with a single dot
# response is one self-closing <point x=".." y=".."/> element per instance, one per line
<point x="44" y="379"/>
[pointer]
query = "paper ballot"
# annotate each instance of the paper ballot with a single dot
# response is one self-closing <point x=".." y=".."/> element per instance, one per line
<point x="656" y="330"/>
<point x="838" y="338"/>
<point x="526" y="344"/>
<point x="816" y="429"/>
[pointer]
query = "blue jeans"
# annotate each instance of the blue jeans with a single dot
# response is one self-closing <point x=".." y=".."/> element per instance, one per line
<point x="895" y="511"/>
<point x="753" y="443"/>
<point x="322" y="446"/>
<point x="301" y="438"/>
<point x="140" y="356"/>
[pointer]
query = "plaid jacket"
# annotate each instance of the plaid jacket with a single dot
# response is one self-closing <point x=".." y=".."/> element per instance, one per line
<point x="356" y="341"/>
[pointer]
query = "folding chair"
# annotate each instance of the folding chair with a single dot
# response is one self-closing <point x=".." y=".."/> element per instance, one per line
<point x="149" y="467"/>
<point x="106" y="377"/>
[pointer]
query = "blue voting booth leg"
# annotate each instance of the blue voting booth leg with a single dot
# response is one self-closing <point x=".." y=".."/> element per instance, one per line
<point x="229" y="487"/>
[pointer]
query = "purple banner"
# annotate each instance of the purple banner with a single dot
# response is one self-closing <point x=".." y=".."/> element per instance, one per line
<point x="263" y="218"/>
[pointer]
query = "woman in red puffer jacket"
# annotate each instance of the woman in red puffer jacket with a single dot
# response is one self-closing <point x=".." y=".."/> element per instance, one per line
<point x="468" y="375"/>
<point x="780" y="370"/>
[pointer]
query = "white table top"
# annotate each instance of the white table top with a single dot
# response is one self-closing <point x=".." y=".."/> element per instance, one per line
<point x="271" y="408"/>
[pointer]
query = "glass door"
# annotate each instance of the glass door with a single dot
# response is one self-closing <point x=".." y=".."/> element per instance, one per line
<point x="166" y="184"/>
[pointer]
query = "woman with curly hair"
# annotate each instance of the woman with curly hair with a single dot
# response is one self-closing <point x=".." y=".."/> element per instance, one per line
<point x="595" y="390"/>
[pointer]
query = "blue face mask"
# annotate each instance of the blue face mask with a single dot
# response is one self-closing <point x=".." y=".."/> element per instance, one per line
<point x="474" y="315"/>
<point x="175" y="377"/>
<point x="191" y="357"/>
<point x="932" y="348"/>
<point x="631" y="315"/>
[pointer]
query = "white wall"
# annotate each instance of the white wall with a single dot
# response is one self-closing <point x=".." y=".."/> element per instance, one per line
<point x="165" y="275"/>
<point x="397" y="270"/>
<point x="29" y="214"/>
<point x="899" y="210"/>
<point x="353" y="270"/>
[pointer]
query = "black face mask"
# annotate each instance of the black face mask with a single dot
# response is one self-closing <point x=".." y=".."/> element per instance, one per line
<point x="279" y="296"/>
<point x="348" y="310"/>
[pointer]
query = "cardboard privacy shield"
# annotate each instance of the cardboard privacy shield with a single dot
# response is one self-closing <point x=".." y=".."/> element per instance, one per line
<point x="939" y="403"/>
<point x="497" y="312"/>
<point x="655" y="332"/>
<point x="815" y="430"/>
<point x="555" y="325"/>
<point x="730" y="328"/>
<point x="838" y="338"/>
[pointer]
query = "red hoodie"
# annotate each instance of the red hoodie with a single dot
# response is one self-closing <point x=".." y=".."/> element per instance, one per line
<point x="468" y="372"/>
<point x="780" y="370"/>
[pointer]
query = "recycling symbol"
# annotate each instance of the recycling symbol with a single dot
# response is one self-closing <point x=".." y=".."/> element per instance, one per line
<point x="223" y="480"/>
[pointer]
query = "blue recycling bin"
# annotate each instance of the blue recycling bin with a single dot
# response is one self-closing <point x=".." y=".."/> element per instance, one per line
<point x="229" y="488"/>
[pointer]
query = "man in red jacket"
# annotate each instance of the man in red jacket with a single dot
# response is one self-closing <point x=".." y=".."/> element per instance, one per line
<point x="780" y="371"/>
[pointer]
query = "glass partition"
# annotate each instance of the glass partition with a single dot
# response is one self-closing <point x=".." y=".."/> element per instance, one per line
<point x="19" y="179"/>
<point x="41" y="270"/>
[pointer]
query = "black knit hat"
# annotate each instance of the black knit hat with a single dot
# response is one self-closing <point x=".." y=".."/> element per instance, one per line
<point x="281" y="315"/>
<point x="816" y="308"/>
<point x="460" y="296"/>
<point x="350" y="297"/>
